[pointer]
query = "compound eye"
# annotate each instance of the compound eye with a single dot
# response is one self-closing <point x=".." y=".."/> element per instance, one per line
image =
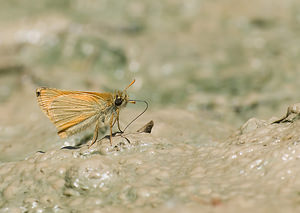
<point x="118" y="101"/>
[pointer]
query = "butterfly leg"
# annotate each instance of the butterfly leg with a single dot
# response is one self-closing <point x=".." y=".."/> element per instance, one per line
<point x="114" y="122"/>
<point x="111" y="126"/>
<point x="118" y="120"/>
<point x="95" y="135"/>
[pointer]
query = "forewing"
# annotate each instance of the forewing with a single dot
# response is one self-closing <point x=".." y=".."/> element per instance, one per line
<point x="72" y="111"/>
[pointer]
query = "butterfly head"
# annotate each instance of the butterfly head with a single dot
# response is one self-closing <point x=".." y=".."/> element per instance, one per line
<point x="120" y="99"/>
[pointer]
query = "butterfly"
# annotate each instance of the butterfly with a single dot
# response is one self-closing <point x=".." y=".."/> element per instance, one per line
<point x="74" y="111"/>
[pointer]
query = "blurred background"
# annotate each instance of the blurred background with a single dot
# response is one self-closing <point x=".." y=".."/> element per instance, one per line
<point x="232" y="59"/>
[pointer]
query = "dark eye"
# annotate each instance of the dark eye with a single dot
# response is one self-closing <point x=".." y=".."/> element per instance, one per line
<point x="118" y="101"/>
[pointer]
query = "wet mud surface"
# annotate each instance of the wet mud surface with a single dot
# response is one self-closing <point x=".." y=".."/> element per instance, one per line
<point x="256" y="167"/>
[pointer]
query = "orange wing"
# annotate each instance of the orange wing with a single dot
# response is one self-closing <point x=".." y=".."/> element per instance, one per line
<point x="73" y="111"/>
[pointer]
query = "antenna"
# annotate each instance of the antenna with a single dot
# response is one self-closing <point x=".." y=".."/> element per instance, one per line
<point x="132" y="82"/>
